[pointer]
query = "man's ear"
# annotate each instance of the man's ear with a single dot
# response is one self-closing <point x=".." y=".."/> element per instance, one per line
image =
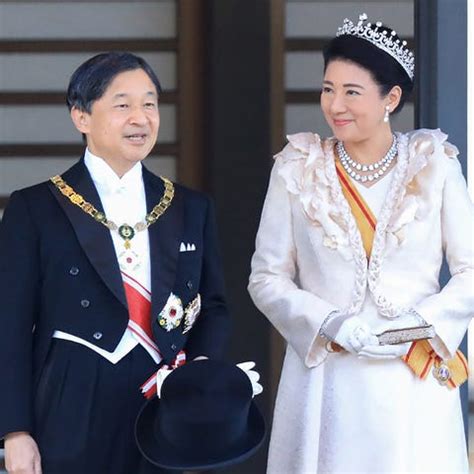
<point x="81" y="120"/>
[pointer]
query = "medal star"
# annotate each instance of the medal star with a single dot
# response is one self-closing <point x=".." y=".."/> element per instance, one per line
<point x="171" y="315"/>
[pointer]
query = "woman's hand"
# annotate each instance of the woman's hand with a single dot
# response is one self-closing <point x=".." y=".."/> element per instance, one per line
<point x="389" y="351"/>
<point x="22" y="454"/>
<point x="354" y="334"/>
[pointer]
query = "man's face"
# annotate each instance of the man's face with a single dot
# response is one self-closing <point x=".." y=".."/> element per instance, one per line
<point x="122" y="127"/>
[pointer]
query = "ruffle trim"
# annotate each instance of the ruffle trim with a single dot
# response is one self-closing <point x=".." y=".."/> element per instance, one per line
<point x="415" y="196"/>
<point x="308" y="169"/>
<point x="410" y="196"/>
<point x="307" y="166"/>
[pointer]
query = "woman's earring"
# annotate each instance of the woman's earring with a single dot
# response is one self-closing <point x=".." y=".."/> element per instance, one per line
<point x="386" y="117"/>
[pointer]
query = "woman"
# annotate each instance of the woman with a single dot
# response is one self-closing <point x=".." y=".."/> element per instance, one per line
<point x="350" y="245"/>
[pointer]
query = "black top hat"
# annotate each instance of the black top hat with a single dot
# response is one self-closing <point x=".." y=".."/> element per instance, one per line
<point x="205" y="419"/>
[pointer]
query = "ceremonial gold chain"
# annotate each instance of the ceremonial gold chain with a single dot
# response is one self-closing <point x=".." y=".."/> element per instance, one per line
<point x="126" y="231"/>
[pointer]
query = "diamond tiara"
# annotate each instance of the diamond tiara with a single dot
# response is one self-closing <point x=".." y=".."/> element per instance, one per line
<point x="380" y="38"/>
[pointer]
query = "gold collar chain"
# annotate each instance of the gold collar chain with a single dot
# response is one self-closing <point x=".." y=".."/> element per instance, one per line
<point x="126" y="231"/>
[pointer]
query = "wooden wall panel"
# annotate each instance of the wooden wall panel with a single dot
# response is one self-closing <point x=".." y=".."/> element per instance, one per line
<point x="41" y="43"/>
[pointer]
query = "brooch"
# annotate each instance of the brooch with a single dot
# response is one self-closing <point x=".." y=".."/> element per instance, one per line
<point x="441" y="373"/>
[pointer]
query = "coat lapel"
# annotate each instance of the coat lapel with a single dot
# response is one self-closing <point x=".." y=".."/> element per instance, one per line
<point x="165" y="236"/>
<point x="93" y="237"/>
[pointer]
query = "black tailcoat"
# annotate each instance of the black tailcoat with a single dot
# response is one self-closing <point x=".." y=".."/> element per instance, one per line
<point x="58" y="271"/>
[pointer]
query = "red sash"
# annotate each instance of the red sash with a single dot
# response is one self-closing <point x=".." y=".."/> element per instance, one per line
<point x="139" y="310"/>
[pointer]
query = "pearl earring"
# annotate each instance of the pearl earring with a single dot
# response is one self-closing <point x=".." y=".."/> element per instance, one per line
<point x="386" y="117"/>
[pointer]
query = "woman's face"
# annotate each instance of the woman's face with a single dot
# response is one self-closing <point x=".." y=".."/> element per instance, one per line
<point x="352" y="103"/>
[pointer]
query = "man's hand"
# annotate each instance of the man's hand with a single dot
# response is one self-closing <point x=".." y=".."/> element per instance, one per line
<point x="253" y="375"/>
<point x="21" y="454"/>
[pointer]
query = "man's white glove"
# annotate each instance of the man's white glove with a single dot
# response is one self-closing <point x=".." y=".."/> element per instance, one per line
<point x="253" y="375"/>
<point x="389" y="351"/>
<point x="247" y="367"/>
<point x="162" y="373"/>
<point x="354" y="334"/>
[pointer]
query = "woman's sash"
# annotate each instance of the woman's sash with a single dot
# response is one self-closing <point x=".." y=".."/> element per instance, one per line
<point x="421" y="357"/>
<point x="362" y="213"/>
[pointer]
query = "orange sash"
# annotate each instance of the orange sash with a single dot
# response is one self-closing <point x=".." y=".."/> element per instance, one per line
<point x="360" y="210"/>
<point x="421" y="358"/>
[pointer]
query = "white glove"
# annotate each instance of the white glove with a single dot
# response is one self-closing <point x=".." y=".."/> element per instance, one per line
<point x="354" y="334"/>
<point x="160" y="378"/>
<point x="253" y="375"/>
<point x="247" y="367"/>
<point x="389" y="351"/>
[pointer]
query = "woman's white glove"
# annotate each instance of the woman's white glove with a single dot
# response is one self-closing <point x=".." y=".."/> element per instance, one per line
<point x="253" y="375"/>
<point x="389" y="351"/>
<point x="354" y="334"/>
<point x="392" y="351"/>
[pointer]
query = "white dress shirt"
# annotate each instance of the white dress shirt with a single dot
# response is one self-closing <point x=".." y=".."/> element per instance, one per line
<point x="123" y="200"/>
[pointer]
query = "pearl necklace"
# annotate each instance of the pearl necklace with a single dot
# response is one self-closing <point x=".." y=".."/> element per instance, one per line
<point x="353" y="168"/>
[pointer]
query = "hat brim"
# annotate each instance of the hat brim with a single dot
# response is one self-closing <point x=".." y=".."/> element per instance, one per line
<point x="157" y="450"/>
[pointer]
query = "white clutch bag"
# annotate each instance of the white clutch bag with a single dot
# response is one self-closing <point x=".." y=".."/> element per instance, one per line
<point x="402" y="335"/>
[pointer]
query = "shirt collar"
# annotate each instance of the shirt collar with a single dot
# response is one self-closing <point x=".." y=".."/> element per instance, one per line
<point x="105" y="178"/>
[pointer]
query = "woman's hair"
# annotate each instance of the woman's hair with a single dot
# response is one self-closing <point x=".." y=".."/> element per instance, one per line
<point x="385" y="70"/>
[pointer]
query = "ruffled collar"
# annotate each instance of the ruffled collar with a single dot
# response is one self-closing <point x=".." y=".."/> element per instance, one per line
<point x="307" y="165"/>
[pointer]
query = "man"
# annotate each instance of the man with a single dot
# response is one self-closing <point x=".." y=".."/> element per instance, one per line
<point x="107" y="273"/>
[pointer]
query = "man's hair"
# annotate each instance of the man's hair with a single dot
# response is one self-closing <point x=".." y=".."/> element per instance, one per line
<point x="91" y="79"/>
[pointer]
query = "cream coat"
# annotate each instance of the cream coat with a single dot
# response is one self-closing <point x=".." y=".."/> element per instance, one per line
<point x="335" y="412"/>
